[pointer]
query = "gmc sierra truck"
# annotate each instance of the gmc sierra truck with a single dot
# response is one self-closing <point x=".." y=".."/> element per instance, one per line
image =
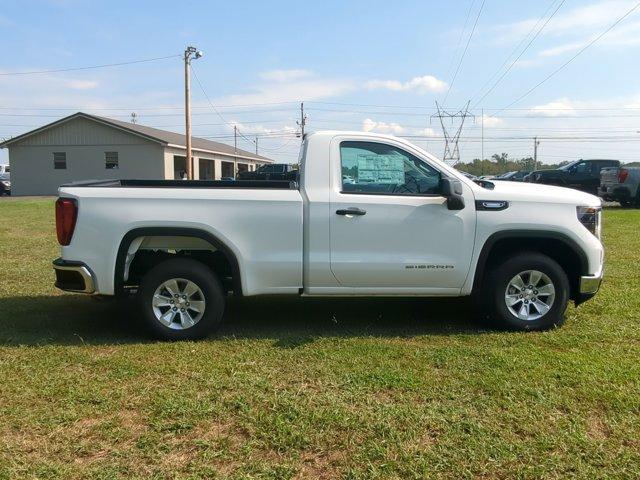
<point x="370" y="215"/>
<point x="620" y="184"/>
<point x="581" y="174"/>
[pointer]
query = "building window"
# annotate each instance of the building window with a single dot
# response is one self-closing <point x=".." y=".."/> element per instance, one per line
<point x="111" y="160"/>
<point x="228" y="171"/>
<point x="60" y="160"/>
<point x="179" y="167"/>
<point x="207" y="169"/>
<point x="243" y="167"/>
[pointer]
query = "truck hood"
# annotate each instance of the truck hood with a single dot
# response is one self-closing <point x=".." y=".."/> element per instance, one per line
<point x="536" y="192"/>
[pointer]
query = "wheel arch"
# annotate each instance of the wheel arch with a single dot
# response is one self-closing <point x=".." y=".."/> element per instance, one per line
<point x="204" y="235"/>
<point x="556" y="245"/>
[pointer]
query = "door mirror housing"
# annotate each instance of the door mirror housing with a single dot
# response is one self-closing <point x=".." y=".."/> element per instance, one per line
<point x="452" y="190"/>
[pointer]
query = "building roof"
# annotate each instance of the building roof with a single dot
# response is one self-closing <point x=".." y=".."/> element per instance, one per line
<point x="162" y="136"/>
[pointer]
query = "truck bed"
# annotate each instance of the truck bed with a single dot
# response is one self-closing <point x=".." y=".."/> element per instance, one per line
<point x="259" y="184"/>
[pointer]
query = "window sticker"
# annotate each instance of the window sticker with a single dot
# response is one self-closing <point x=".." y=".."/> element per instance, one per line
<point x="381" y="169"/>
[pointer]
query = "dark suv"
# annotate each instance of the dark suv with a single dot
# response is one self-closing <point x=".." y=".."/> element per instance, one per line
<point x="582" y="175"/>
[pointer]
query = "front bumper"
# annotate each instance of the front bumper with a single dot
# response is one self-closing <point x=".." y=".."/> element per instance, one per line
<point x="73" y="276"/>
<point x="590" y="284"/>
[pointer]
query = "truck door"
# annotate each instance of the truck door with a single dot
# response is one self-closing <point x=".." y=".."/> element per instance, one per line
<point x="390" y="229"/>
<point x="582" y="176"/>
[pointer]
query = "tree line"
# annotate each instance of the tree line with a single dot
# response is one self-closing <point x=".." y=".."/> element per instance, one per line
<point x="501" y="163"/>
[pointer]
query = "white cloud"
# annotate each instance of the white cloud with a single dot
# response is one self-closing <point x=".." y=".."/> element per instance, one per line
<point x="562" y="106"/>
<point x="428" y="132"/>
<point x="579" y="26"/>
<point x="581" y="19"/>
<point x="286" y="75"/>
<point x="424" y="84"/>
<point x="82" y="84"/>
<point x="369" y="125"/>
<point x="624" y="36"/>
<point x="393" y="128"/>
<point x="490" y="121"/>
<point x="312" y="89"/>
<point x="261" y="129"/>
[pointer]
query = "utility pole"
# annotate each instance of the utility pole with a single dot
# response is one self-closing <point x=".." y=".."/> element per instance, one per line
<point x="256" y="144"/>
<point x="303" y="120"/>
<point x="536" y="142"/>
<point x="482" y="142"/>
<point x="188" y="53"/>
<point x="235" y="139"/>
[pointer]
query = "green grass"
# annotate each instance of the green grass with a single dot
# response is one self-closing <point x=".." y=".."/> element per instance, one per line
<point x="313" y="389"/>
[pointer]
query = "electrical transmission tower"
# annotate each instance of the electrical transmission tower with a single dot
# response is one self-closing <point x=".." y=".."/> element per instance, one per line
<point x="451" y="150"/>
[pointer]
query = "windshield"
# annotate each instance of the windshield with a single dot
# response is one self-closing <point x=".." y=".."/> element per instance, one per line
<point x="569" y="165"/>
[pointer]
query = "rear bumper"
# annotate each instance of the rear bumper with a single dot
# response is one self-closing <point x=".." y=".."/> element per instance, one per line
<point x="616" y="193"/>
<point x="73" y="276"/>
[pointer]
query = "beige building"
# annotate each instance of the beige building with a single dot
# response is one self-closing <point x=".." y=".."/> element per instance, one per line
<point x="87" y="147"/>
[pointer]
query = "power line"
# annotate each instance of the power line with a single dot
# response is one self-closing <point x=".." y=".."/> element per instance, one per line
<point x="464" y="52"/>
<point x="521" y="53"/>
<point x="368" y="105"/>
<point x="235" y="125"/>
<point x="91" y="67"/>
<point x="506" y="60"/>
<point x="464" y="28"/>
<point x="611" y="27"/>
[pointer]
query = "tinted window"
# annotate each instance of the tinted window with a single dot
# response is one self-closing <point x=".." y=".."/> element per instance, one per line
<point x="369" y="167"/>
<point x="582" y="167"/>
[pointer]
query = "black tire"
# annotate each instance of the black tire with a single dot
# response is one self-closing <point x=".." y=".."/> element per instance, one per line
<point x="499" y="278"/>
<point x="192" y="271"/>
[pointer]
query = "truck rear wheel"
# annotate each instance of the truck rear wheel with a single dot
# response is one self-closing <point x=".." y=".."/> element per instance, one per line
<point x="181" y="299"/>
<point x="529" y="291"/>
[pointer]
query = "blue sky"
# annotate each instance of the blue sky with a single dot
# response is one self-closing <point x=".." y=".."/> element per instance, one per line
<point x="358" y="65"/>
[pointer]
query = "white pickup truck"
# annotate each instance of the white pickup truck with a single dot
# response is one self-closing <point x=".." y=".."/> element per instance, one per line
<point x="370" y="215"/>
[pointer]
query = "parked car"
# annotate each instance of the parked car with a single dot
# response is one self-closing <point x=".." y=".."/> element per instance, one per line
<point x="5" y="184"/>
<point x="620" y="184"/>
<point x="517" y="176"/>
<point x="403" y="224"/>
<point x="273" y="171"/>
<point x="581" y="175"/>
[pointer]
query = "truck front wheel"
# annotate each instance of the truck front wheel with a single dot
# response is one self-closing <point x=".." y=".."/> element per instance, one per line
<point x="181" y="299"/>
<point x="529" y="291"/>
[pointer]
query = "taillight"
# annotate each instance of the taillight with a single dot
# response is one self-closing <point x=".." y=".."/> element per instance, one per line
<point x="623" y="173"/>
<point x="66" y="215"/>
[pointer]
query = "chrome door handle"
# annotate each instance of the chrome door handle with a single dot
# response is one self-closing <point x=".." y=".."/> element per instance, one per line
<point x="351" y="211"/>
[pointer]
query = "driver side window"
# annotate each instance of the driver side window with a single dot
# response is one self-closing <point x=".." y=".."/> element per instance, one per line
<point x="582" y="168"/>
<point x="377" y="168"/>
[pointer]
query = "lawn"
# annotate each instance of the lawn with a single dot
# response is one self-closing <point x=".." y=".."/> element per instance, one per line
<point x="313" y="389"/>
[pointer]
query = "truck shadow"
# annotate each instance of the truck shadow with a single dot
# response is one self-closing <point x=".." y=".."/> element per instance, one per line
<point x="289" y="322"/>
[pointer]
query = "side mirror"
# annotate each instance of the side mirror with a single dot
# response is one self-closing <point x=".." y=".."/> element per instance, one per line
<point x="452" y="190"/>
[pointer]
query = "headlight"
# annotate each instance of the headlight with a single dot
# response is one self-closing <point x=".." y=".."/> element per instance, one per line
<point x="591" y="218"/>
